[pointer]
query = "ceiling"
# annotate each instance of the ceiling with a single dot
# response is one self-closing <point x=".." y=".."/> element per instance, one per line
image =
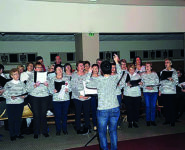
<point x="125" y="2"/>
<point x="103" y="37"/>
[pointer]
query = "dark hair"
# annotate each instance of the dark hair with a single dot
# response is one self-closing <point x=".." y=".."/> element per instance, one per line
<point x="79" y="62"/>
<point x="123" y="61"/>
<point x="58" y="65"/>
<point x="37" y="64"/>
<point x="67" y="64"/>
<point x="1" y="67"/>
<point x="134" y="61"/>
<point x="150" y="63"/>
<point x="38" y="58"/>
<point x="95" y="65"/>
<point x="87" y="62"/>
<point x="106" y="67"/>
<point x="98" y="59"/>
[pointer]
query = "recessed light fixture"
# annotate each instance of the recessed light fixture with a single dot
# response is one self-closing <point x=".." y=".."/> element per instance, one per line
<point x="92" y="0"/>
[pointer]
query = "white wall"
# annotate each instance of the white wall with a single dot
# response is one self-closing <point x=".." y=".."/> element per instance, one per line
<point x="40" y="16"/>
<point x="44" y="48"/>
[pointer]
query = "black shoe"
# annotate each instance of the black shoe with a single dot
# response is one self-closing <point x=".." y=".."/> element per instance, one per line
<point x="46" y="134"/>
<point x="20" y="136"/>
<point x="166" y="122"/>
<point x="135" y="125"/>
<point x="153" y="123"/>
<point x="35" y="136"/>
<point x="58" y="133"/>
<point x="130" y="125"/>
<point x="173" y="124"/>
<point x="13" y="138"/>
<point x="84" y="132"/>
<point x="65" y="132"/>
<point x="148" y="123"/>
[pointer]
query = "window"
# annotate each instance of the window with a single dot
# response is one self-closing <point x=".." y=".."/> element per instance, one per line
<point x="158" y="54"/>
<point x="70" y="56"/>
<point x="153" y="54"/>
<point x="101" y="55"/>
<point x="170" y="53"/>
<point x="182" y="53"/>
<point x="145" y="54"/>
<point x="52" y="56"/>
<point x="132" y="54"/>
<point x="13" y="58"/>
<point x="31" y="57"/>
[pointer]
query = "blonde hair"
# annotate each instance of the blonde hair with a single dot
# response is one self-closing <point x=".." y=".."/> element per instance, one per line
<point x="13" y="70"/>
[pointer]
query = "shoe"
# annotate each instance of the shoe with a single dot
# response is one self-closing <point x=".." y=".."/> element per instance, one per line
<point x="153" y="123"/>
<point x="12" y="138"/>
<point x="83" y="132"/>
<point x="35" y="136"/>
<point x="20" y="136"/>
<point x="148" y="123"/>
<point x="65" y="132"/>
<point x="135" y="125"/>
<point x="166" y="122"/>
<point x="173" y="124"/>
<point x="58" y="133"/>
<point x="46" y="134"/>
<point x="130" y="125"/>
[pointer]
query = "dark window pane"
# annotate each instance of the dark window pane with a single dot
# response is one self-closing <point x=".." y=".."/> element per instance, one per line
<point x="13" y="57"/>
<point x="158" y="54"/>
<point x="108" y="55"/>
<point x="145" y="54"/>
<point x="182" y="53"/>
<point x="101" y="55"/>
<point x="52" y="57"/>
<point x="165" y="54"/>
<point x="31" y="57"/>
<point x="70" y="56"/>
<point x="152" y="54"/>
<point x="132" y="55"/>
<point x="170" y="53"/>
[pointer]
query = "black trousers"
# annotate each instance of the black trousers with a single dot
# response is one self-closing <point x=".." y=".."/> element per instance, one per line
<point x="132" y="106"/>
<point x="79" y="105"/>
<point x="14" y="118"/>
<point x="39" y="107"/>
<point x="169" y="107"/>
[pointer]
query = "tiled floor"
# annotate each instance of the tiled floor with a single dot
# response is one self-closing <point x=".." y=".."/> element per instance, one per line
<point x="73" y="140"/>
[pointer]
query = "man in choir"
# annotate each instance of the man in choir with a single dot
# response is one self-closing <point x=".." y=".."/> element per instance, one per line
<point x="123" y="64"/>
<point x="167" y="91"/>
<point x="58" y="60"/>
<point x="40" y="59"/>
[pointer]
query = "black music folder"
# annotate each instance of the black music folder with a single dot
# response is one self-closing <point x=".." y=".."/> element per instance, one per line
<point x="135" y="82"/>
<point x="22" y="95"/>
<point x="58" y="85"/>
<point x="3" y="81"/>
<point x="165" y="75"/>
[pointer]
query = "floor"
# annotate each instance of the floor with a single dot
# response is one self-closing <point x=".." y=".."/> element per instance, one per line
<point x="73" y="140"/>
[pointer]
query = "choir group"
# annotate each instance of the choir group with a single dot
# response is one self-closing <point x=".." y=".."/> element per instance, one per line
<point x="115" y="83"/>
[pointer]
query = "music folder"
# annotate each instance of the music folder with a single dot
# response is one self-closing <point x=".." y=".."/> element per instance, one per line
<point x="89" y="91"/>
<point x="40" y="77"/>
<point x="22" y="95"/>
<point x="58" y="85"/>
<point x="165" y="75"/>
<point x="135" y="82"/>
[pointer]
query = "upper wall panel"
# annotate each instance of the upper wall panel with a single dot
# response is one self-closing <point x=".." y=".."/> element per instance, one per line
<point x="38" y="16"/>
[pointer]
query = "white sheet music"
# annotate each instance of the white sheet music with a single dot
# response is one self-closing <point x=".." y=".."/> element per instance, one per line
<point x="62" y="92"/>
<point x="88" y="91"/>
<point x="41" y="77"/>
